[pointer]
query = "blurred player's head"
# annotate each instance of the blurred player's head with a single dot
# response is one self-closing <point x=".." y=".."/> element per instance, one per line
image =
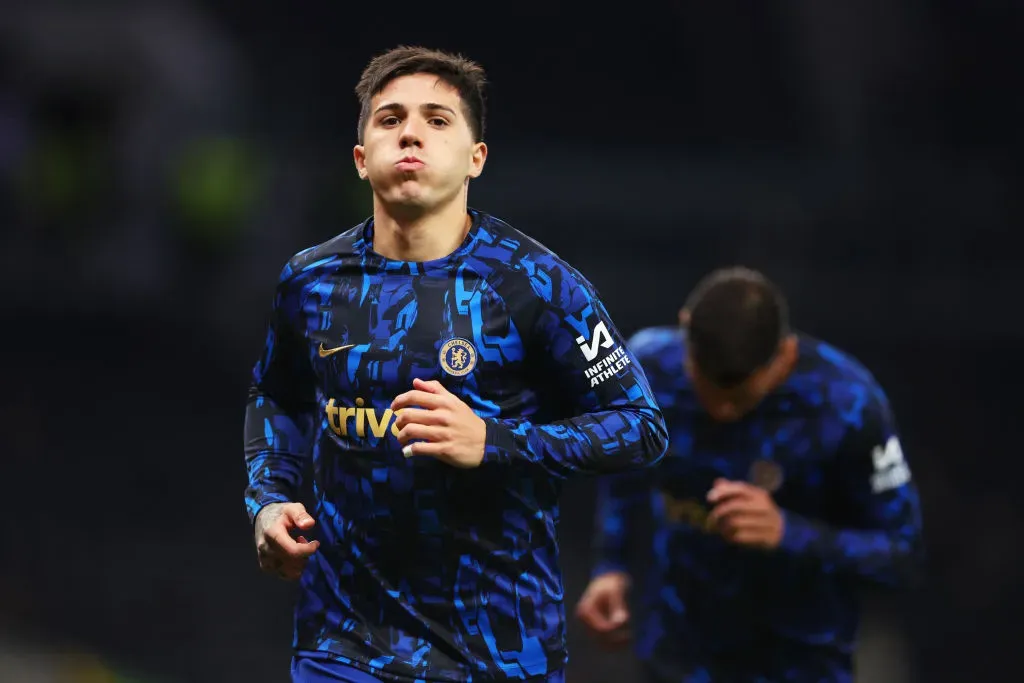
<point x="739" y="346"/>
<point x="421" y="128"/>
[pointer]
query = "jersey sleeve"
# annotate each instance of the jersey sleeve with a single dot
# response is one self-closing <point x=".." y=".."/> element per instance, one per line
<point x="613" y="421"/>
<point x="279" y="415"/>
<point x="622" y="496"/>
<point x="882" y="543"/>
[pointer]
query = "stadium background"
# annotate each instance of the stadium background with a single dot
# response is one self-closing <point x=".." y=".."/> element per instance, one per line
<point x="159" y="161"/>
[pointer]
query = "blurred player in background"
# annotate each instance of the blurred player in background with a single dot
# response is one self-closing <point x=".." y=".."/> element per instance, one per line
<point x="784" y="488"/>
<point x="446" y="372"/>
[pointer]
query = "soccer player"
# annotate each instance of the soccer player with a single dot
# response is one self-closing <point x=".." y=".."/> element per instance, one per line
<point x="446" y="372"/>
<point x="784" y="488"/>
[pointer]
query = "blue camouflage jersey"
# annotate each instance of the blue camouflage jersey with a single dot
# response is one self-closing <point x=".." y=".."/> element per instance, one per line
<point x="426" y="571"/>
<point x="825" y="444"/>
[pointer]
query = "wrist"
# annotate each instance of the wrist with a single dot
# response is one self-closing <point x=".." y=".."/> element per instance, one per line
<point x="797" y="533"/>
<point x="269" y="508"/>
<point x="608" y="567"/>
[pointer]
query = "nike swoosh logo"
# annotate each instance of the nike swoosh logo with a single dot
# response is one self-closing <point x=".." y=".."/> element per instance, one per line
<point x="330" y="352"/>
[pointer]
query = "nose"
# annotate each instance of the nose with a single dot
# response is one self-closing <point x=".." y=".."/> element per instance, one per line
<point x="410" y="136"/>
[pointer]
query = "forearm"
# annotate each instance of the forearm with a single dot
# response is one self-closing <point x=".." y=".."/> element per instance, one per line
<point x="887" y="557"/>
<point x="599" y="442"/>
<point x="277" y="443"/>
<point x="619" y="498"/>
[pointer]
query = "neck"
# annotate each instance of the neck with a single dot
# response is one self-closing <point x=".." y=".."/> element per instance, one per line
<point x="419" y="235"/>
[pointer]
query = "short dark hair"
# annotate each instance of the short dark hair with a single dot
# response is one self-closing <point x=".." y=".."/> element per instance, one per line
<point x="737" y="319"/>
<point x="466" y="76"/>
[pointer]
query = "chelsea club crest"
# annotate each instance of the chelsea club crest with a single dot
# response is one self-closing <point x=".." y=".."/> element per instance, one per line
<point x="766" y="474"/>
<point x="458" y="357"/>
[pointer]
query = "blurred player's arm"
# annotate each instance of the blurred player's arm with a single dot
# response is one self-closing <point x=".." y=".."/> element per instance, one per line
<point x="884" y="544"/>
<point x="604" y="608"/>
<point x="279" y="415"/>
<point x="617" y="423"/>
<point x="620" y="497"/>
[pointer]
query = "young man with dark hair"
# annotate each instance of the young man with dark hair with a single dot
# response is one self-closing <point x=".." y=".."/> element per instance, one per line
<point x="784" y="488"/>
<point x="446" y="373"/>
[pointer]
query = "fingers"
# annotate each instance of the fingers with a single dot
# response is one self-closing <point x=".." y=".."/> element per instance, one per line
<point x="421" y="399"/>
<point x="734" y="506"/>
<point x="432" y="386"/>
<point x="280" y="554"/>
<point x="606" y="621"/>
<point x="412" y="432"/>
<point x="303" y="549"/>
<point x="743" y="514"/>
<point x="280" y="542"/>
<point x="739" y="524"/>
<point x="286" y="563"/>
<point x="435" y="450"/>
<point x="723" y="489"/>
<point x="295" y="516"/>
<point x="425" y="394"/>
<point x="423" y="417"/>
<point x="603" y="611"/>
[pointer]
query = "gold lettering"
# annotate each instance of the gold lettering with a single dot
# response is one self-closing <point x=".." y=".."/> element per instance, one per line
<point x="332" y="417"/>
<point x="688" y="511"/>
<point x="379" y="422"/>
<point x="343" y="415"/>
<point x="360" y="418"/>
<point x="379" y="429"/>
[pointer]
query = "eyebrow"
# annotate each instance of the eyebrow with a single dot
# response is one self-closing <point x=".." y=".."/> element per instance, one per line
<point x="428" y="106"/>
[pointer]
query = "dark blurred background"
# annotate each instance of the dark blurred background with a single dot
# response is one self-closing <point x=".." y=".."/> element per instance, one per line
<point x="160" y="161"/>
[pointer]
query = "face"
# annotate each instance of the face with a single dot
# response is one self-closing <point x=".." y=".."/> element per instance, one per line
<point x="418" y="151"/>
<point x="723" y="405"/>
<point x="731" y="404"/>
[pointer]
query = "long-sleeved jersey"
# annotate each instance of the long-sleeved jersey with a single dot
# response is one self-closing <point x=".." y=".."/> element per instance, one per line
<point x="426" y="571"/>
<point x="825" y="445"/>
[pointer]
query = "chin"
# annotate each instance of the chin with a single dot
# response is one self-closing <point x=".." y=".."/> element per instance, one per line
<point x="400" y="192"/>
<point x="417" y="199"/>
<point x="411" y="196"/>
<point x="408" y="203"/>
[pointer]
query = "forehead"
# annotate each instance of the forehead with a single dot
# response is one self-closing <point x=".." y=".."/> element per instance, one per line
<point x="416" y="89"/>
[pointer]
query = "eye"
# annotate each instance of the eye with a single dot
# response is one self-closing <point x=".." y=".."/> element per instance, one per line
<point x="438" y="121"/>
<point x="389" y="121"/>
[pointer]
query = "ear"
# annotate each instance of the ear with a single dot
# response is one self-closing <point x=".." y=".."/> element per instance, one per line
<point x="778" y="370"/>
<point x="478" y="159"/>
<point x="789" y="349"/>
<point x="684" y="317"/>
<point x="689" y="366"/>
<point x="359" y="157"/>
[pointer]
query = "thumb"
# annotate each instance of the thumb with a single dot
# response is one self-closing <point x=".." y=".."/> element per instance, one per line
<point x="298" y="516"/>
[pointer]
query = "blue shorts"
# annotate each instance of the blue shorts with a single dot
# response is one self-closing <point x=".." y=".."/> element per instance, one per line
<point x="310" y="670"/>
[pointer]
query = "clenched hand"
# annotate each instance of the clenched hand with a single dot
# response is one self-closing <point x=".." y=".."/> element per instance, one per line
<point x="279" y="553"/>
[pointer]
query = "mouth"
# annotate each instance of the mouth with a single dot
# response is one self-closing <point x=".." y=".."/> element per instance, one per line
<point x="409" y="164"/>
